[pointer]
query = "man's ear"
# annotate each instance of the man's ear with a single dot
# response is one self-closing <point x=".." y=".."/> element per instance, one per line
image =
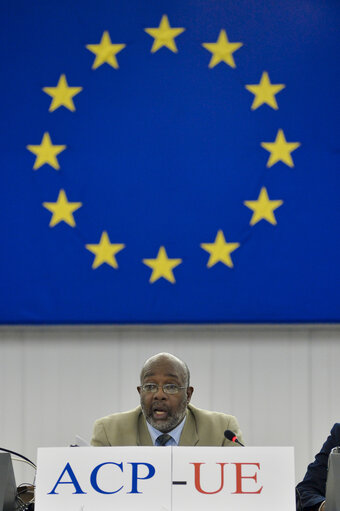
<point x="190" y="390"/>
<point x="139" y="389"/>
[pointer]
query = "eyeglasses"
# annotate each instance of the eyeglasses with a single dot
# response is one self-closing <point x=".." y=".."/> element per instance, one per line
<point x="168" y="388"/>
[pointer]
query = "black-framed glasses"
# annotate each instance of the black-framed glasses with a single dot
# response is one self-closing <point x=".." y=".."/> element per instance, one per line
<point x="168" y="388"/>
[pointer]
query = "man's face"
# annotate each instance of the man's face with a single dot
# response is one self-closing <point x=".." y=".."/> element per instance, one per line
<point x="164" y="411"/>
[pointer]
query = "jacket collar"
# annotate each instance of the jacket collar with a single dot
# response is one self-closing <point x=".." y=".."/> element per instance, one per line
<point x="189" y="434"/>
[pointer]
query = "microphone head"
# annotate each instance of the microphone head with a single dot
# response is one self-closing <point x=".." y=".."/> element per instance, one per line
<point x="230" y="435"/>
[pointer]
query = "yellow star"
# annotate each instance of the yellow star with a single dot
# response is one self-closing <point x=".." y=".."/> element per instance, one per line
<point x="105" y="51"/>
<point x="263" y="208"/>
<point x="280" y="150"/>
<point x="222" y="50"/>
<point x="62" y="210"/>
<point x="164" y="35"/>
<point x="62" y="94"/>
<point x="162" y="266"/>
<point x="220" y="250"/>
<point x="46" y="152"/>
<point x="105" y="251"/>
<point x="265" y="92"/>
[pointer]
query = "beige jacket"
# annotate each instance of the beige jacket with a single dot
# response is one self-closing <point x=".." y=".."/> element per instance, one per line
<point x="201" y="428"/>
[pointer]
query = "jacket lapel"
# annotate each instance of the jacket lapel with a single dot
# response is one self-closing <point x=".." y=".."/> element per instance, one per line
<point x="189" y="434"/>
<point x="143" y="437"/>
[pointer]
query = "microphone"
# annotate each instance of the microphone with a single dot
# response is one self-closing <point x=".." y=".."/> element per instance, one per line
<point x="230" y="435"/>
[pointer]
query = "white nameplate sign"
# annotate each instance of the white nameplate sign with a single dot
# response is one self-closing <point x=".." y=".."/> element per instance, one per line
<point x="239" y="479"/>
<point x="103" y="478"/>
<point x="165" y="479"/>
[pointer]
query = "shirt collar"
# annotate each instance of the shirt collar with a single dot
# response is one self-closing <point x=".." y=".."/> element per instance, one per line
<point x="174" y="433"/>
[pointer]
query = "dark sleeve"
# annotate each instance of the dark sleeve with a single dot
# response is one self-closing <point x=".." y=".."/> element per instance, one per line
<point x="312" y="489"/>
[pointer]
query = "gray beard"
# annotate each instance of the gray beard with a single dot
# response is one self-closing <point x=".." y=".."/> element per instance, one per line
<point x="171" y="422"/>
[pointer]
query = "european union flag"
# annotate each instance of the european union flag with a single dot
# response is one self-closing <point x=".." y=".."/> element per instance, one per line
<point x="169" y="162"/>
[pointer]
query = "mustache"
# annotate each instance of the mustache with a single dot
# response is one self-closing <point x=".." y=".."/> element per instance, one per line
<point x="158" y="405"/>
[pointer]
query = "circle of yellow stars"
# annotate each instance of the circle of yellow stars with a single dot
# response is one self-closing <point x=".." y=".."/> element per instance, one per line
<point x="219" y="250"/>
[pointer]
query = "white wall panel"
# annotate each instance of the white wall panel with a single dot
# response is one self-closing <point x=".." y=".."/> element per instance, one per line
<point x="281" y="382"/>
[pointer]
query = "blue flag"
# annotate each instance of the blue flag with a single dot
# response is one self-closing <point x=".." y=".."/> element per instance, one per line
<point x="169" y="162"/>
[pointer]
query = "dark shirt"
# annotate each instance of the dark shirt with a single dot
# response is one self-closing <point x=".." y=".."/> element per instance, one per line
<point x="312" y="489"/>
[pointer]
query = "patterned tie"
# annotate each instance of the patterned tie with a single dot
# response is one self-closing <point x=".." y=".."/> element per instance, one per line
<point x="163" y="439"/>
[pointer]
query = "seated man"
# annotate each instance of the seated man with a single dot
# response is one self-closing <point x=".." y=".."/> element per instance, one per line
<point x="165" y="416"/>
<point x="312" y="489"/>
